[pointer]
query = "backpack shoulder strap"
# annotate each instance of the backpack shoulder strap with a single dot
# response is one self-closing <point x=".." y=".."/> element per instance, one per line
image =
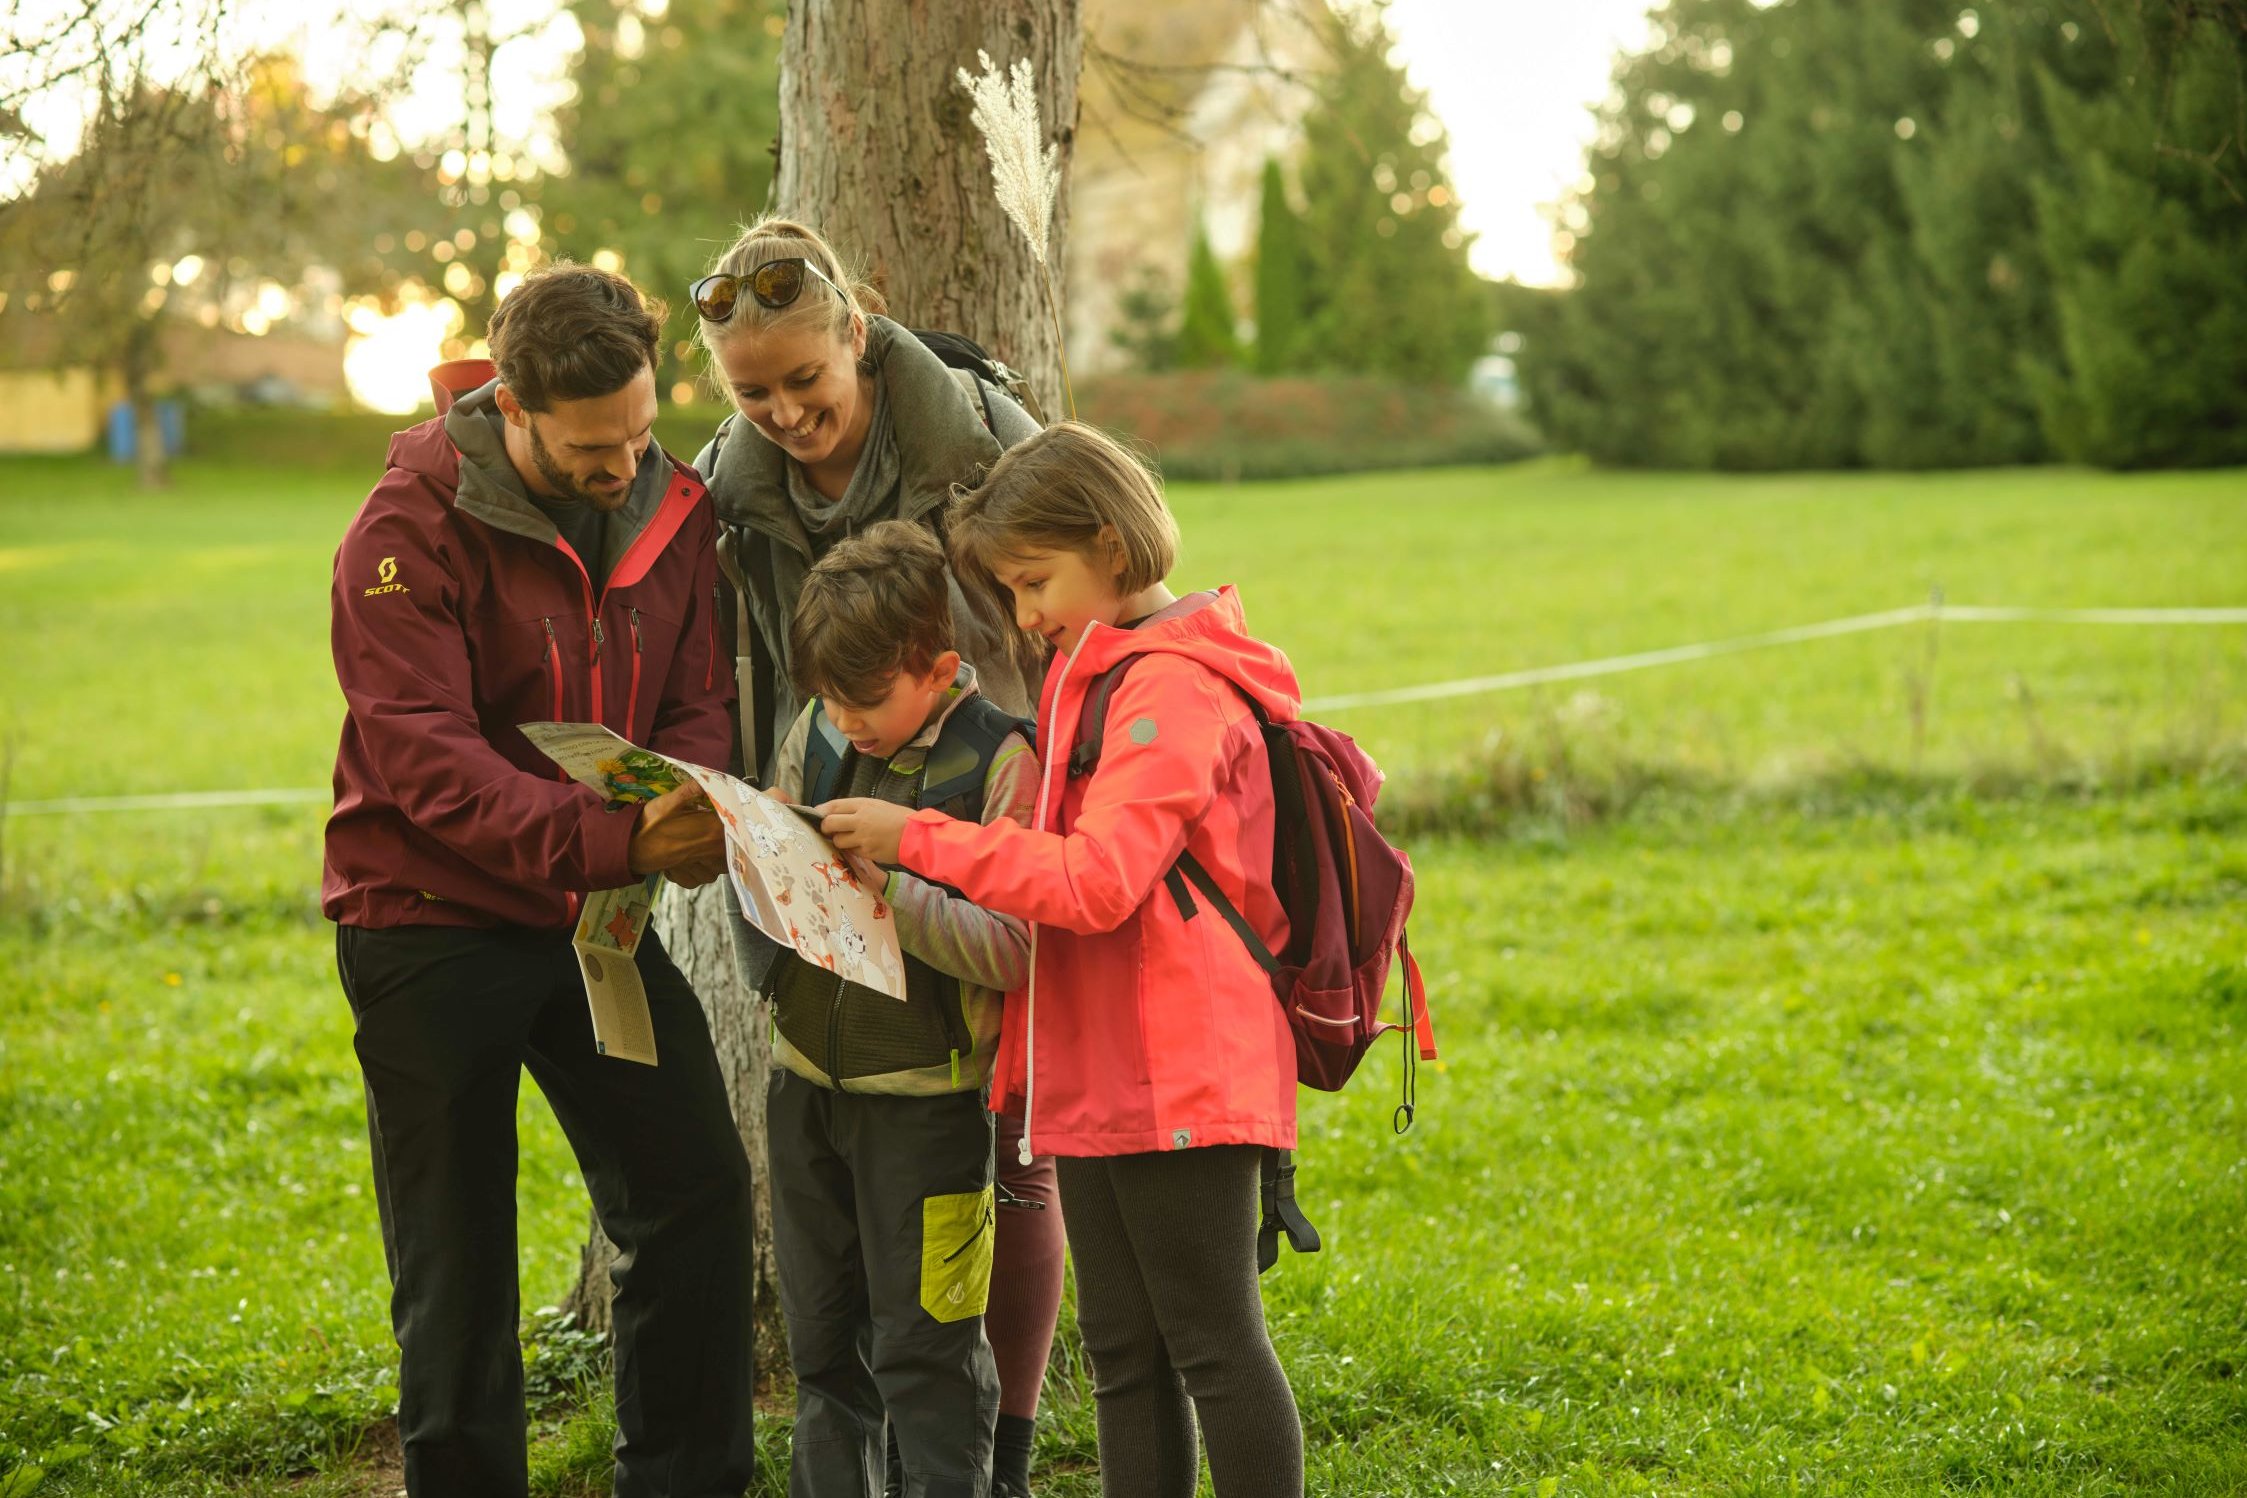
<point x="1092" y="719"/>
<point x="960" y="761"/>
<point x="825" y="750"/>
<point x="977" y="391"/>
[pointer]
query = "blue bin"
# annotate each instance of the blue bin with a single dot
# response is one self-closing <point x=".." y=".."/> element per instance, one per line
<point x="124" y="432"/>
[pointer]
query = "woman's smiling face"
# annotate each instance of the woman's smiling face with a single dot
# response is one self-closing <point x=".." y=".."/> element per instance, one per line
<point x="801" y="388"/>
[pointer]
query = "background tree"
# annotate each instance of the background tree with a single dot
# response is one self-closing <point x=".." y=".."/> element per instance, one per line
<point x="876" y="150"/>
<point x="1207" y="336"/>
<point x="2145" y="234"/>
<point x="875" y="146"/>
<point x="230" y="174"/>
<point x="1282" y="290"/>
<point x="1905" y="236"/>
<point x="1147" y="321"/>
<point x="1391" y="292"/>
<point x="669" y="138"/>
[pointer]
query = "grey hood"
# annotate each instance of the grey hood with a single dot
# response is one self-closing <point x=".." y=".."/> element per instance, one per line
<point x="491" y="490"/>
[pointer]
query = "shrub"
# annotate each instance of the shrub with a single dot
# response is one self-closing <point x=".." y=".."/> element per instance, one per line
<point x="1230" y="425"/>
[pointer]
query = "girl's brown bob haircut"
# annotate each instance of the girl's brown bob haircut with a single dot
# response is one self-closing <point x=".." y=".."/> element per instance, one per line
<point x="1061" y="491"/>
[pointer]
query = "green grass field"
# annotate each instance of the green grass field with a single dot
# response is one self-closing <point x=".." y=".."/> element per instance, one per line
<point x="1827" y="1122"/>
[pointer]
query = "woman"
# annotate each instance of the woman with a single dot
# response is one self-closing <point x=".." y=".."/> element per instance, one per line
<point x="844" y="418"/>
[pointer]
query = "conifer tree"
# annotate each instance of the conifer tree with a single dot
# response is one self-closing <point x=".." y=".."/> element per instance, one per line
<point x="1390" y="292"/>
<point x="1207" y="338"/>
<point x="1280" y="287"/>
<point x="2145" y="232"/>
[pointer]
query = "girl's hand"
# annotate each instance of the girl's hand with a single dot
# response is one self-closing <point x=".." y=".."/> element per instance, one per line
<point x="858" y="824"/>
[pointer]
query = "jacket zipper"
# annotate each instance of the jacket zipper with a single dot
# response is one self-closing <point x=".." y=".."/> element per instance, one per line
<point x="710" y="670"/>
<point x="1030" y="998"/>
<point x="593" y="621"/>
<point x="553" y="658"/>
<point x="632" y="703"/>
<point x="835" y="1036"/>
<point x="554" y="669"/>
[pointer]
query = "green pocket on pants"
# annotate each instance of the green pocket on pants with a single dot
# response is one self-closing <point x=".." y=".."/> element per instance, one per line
<point x="956" y="1235"/>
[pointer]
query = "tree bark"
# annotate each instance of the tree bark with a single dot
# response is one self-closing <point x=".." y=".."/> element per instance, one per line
<point x="691" y="924"/>
<point x="876" y="150"/>
<point x="149" y="458"/>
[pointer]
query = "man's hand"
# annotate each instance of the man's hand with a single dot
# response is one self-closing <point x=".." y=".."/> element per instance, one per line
<point x="858" y="824"/>
<point x="679" y="837"/>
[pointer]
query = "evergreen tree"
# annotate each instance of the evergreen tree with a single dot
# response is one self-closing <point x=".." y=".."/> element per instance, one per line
<point x="1146" y="327"/>
<point x="1280" y="280"/>
<point x="1741" y="181"/>
<point x="1389" y="290"/>
<point x="2145" y="231"/>
<point x="1206" y="335"/>
<point x="1906" y="235"/>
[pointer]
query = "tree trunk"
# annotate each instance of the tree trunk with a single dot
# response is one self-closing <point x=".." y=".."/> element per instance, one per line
<point x="692" y="927"/>
<point x="149" y="457"/>
<point x="877" y="151"/>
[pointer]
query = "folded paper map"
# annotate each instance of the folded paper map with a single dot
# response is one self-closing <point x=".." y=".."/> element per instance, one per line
<point x="792" y="883"/>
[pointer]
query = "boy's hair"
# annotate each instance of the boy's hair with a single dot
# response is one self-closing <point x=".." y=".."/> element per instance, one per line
<point x="572" y="332"/>
<point x="875" y="605"/>
<point x="1057" y="491"/>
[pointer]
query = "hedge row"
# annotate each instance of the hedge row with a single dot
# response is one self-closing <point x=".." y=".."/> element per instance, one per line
<point x="1195" y="426"/>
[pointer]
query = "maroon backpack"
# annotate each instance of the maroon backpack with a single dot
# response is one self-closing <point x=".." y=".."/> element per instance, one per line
<point x="1346" y="891"/>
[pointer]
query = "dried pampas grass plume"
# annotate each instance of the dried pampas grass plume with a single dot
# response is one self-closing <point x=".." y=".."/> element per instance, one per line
<point x="1025" y="171"/>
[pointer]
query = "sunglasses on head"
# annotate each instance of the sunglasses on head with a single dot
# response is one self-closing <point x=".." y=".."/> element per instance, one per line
<point x="775" y="284"/>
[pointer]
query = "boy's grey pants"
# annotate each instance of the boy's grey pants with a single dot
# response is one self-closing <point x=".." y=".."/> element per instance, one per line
<point x="882" y="1224"/>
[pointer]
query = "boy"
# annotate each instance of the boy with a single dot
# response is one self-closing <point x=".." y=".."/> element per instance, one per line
<point x="880" y="1145"/>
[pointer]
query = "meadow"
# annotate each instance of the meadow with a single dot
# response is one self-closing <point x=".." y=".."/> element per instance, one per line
<point x="1844" y="1087"/>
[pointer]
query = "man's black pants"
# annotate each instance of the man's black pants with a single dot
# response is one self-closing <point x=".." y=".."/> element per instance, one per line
<point x="447" y="1019"/>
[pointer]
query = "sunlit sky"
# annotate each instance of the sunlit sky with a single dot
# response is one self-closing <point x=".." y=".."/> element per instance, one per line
<point x="1514" y="82"/>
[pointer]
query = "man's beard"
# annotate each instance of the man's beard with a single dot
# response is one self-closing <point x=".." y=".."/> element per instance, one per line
<point x="565" y="487"/>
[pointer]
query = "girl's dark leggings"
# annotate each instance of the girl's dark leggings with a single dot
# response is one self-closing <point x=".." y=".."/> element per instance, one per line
<point x="1165" y="1249"/>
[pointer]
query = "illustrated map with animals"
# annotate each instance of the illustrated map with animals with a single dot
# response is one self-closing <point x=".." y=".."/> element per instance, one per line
<point x="791" y="882"/>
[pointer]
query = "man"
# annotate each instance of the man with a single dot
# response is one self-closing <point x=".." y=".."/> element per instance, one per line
<point x="532" y="554"/>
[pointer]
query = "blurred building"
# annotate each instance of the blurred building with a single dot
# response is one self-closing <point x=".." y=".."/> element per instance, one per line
<point x="51" y="404"/>
<point x="1179" y="105"/>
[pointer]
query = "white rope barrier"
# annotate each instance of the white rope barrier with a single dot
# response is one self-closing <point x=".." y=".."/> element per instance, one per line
<point x="1945" y="613"/>
<point x="1467" y="686"/>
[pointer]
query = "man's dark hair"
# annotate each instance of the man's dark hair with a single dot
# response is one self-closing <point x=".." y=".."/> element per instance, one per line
<point x="876" y="604"/>
<point x="571" y="332"/>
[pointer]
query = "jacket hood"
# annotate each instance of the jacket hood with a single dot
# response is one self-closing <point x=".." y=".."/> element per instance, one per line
<point x="1212" y="629"/>
<point x="464" y="451"/>
<point x="749" y="478"/>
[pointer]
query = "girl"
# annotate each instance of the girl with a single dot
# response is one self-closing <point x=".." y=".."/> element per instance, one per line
<point x="846" y="419"/>
<point x="1148" y="1053"/>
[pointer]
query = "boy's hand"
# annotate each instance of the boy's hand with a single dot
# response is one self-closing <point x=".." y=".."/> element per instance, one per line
<point x="859" y="824"/>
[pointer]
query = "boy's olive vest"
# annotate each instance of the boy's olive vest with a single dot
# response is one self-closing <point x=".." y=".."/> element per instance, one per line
<point x="846" y="1030"/>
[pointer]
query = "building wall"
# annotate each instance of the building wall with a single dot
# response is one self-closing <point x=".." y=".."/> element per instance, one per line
<point x="196" y="356"/>
<point x="50" y="411"/>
